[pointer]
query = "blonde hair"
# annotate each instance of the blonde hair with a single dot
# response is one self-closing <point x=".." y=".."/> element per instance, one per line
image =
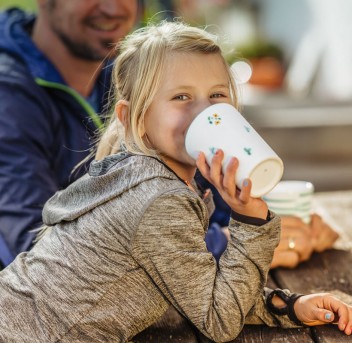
<point x="136" y="78"/>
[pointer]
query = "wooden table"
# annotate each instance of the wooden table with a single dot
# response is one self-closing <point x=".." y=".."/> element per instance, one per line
<point x="330" y="271"/>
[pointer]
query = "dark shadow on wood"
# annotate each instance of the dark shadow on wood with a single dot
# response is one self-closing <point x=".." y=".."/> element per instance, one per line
<point x="172" y="327"/>
<point x="265" y="334"/>
<point x="329" y="334"/>
<point x="321" y="273"/>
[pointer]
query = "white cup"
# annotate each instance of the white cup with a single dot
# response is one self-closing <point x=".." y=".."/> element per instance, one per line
<point x="291" y="198"/>
<point x="221" y="126"/>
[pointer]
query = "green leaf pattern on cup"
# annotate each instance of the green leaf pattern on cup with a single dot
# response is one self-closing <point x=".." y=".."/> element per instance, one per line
<point x="213" y="150"/>
<point x="214" y="119"/>
<point x="248" y="151"/>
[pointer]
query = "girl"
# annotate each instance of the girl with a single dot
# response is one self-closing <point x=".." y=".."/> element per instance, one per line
<point x="127" y="239"/>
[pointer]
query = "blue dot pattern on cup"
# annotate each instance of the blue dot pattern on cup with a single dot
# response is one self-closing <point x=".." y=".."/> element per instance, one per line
<point x="221" y="126"/>
<point x="214" y="119"/>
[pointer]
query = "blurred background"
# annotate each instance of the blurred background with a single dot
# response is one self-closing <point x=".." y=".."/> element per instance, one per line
<point x="294" y="75"/>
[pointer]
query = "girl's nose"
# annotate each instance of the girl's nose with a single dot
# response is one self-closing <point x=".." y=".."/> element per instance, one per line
<point x="201" y="106"/>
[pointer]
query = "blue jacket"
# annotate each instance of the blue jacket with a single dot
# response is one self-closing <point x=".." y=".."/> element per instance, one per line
<point x="46" y="128"/>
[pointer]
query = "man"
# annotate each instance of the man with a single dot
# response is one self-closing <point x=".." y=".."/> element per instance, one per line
<point x="54" y="78"/>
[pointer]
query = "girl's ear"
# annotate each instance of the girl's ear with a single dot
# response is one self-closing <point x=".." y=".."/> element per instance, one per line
<point x="121" y="111"/>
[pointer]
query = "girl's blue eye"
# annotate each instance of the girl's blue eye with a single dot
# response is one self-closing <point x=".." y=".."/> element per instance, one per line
<point x="181" y="97"/>
<point x="217" y="95"/>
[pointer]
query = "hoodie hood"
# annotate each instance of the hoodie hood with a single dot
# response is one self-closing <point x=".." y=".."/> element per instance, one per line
<point x="105" y="180"/>
<point x="15" y="40"/>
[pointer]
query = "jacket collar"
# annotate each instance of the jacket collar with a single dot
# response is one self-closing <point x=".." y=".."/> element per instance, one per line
<point x="15" y="39"/>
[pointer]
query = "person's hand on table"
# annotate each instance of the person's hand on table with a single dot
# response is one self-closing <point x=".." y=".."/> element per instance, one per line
<point x="324" y="236"/>
<point x="299" y="240"/>
<point x="296" y="243"/>
<point x="323" y="308"/>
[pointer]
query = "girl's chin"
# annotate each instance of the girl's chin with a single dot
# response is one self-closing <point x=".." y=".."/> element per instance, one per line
<point x="188" y="160"/>
<point x="182" y="159"/>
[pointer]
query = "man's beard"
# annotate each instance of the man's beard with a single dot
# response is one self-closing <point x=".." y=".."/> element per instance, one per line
<point x="79" y="49"/>
<point x="83" y="50"/>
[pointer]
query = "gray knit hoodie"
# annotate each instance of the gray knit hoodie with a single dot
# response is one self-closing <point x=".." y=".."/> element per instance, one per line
<point x="127" y="240"/>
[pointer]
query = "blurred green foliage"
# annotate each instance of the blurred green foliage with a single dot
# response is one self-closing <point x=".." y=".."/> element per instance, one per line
<point x="28" y="5"/>
<point x="256" y="49"/>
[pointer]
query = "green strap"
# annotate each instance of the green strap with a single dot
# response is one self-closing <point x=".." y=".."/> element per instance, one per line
<point x="88" y="108"/>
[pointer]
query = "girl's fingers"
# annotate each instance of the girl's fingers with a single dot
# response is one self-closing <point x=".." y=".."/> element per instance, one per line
<point x="229" y="182"/>
<point x="343" y="318"/>
<point x="202" y="166"/>
<point x="245" y="191"/>
<point x="343" y="311"/>
<point x="212" y="173"/>
<point x="225" y="184"/>
<point x="323" y="308"/>
<point x="215" y="168"/>
<point x="324" y="316"/>
<point x="348" y="329"/>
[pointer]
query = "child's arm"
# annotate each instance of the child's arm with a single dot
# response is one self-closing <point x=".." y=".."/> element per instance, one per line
<point x="169" y="245"/>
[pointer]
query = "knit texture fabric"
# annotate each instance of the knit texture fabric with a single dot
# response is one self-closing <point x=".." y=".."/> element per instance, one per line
<point x="126" y="241"/>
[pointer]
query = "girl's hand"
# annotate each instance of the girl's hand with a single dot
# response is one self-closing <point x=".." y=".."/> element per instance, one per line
<point x="323" y="308"/>
<point x="240" y="201"/>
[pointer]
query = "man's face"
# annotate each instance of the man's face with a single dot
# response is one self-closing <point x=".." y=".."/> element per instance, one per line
<point x="91" y="28"/>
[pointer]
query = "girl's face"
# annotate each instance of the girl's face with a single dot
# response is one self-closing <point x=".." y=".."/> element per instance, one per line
<point x="192" y="82"/>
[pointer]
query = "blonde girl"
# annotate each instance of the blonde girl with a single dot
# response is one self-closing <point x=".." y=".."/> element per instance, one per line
<point x="127" y="239"/>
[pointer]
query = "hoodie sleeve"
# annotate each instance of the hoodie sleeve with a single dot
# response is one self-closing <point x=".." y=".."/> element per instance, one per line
<point x="169" y="245"/>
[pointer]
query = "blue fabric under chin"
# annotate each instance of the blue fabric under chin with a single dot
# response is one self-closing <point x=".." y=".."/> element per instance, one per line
<point x="5" y="254"/>
<point x="216" y="241"/>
